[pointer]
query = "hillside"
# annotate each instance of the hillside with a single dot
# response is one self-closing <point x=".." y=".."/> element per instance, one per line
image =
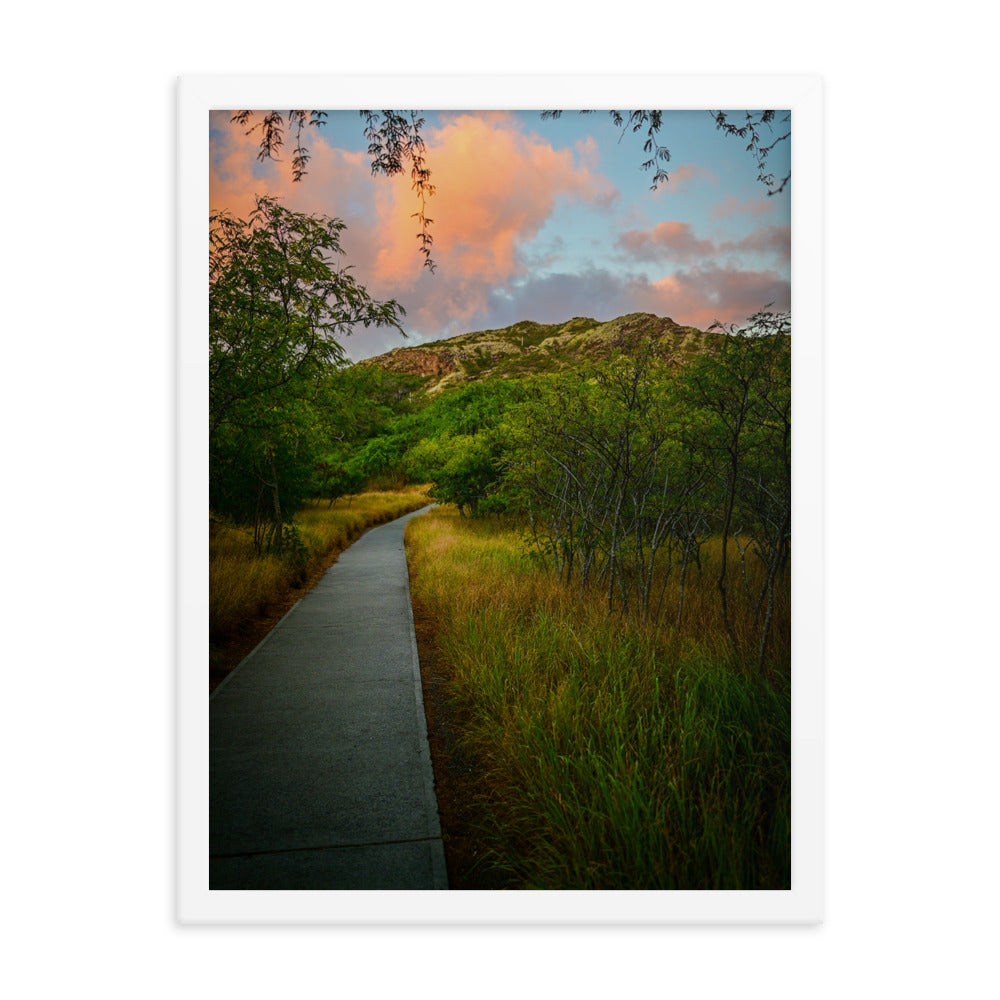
<point x="529" y="347"/>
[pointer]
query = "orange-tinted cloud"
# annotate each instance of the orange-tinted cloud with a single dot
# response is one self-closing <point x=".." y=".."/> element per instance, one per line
<point x="666" y="241"/>
<point x="235" y="174"/>
<point x="704" y="295"/>
<point x="679" y="178"/>
<point x="775" y="240"/>
<point x="676" y="241"/>
<point x="496" y="186"/>
<point x="696" y="297"/>
<point x="337" y="183"/>
<point x="589" y="152"/>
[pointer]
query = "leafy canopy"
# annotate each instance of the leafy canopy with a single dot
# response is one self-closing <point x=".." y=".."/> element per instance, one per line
<point x="279" y="303"/>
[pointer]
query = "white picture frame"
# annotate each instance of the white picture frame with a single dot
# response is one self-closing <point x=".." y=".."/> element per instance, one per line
<point x="804" y="902"/>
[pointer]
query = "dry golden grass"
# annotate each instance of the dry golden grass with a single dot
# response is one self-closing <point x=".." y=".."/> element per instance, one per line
<point x="617" y="755"/>
<point x="497" y="567"/>
<point x="242" y="585"/>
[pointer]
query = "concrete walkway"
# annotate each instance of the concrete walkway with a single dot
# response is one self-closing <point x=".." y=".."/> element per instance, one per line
<point x="320" y="770"/>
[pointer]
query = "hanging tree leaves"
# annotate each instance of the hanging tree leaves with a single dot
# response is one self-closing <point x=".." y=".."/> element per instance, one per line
<point x="272" y="135"/>
<point x="394" y="140"/>
<point x="752" y="130"/>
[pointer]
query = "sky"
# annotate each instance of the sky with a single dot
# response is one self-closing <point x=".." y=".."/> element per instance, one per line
<point x="535" y="219"/>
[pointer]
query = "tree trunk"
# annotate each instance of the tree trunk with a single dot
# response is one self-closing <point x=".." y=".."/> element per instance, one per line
<point x="276" y="537"/>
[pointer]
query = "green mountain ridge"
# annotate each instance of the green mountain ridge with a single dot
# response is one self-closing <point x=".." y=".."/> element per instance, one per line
<point x="528" y="347"/>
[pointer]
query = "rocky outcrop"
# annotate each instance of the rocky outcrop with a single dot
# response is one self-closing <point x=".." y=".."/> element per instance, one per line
<point x="529" y="347"/>
<point x="418" y="361"/>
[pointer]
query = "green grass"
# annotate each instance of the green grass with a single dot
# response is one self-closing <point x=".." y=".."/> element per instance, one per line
<point x="614" y="756"/>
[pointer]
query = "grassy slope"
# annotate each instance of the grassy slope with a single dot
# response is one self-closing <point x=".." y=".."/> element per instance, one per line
<point x="599" y="755"/>
<point x="528" y="347"/>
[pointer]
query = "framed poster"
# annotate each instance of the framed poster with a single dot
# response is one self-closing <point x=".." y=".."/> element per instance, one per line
<point x="596" y="670"/>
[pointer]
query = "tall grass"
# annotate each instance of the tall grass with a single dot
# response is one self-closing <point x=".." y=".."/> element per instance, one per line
<point x="615" y="755"/>
<point x="243" y="585"/>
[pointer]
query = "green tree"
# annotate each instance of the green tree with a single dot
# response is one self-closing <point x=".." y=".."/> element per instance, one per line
<point x="279" y="302"/>
<point x="359" y="404"/>
<point x="279" y="305"/>
<point x="456" y="443"/>
<point x="470" y="470"/>
<point x="743" y="397"/>
<point x="595" y="457"/>
<point x="626" y="467"/>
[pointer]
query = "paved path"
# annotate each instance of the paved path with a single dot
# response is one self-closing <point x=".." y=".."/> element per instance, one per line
<point x="320" y="771"/>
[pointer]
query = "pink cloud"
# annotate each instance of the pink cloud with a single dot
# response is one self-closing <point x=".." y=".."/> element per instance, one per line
<point x="776" y="240"/>
<point x="496" y="186"/>
<point x="751" y="206"/>
<point x="681" y="177"/>
<point x="666" y="240"/>
<point x="337" y="183"/>
<point x="588" y="151"/>
<point x="707" y="294"/>
<point x="696" y="297"/>
<point x="676" y="241"/>
<point x="235" y="175"/>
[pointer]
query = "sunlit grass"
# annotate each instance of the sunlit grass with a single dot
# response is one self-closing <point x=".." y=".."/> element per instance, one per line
<point x="242" y="585"/>
<point x="615" y="755"/>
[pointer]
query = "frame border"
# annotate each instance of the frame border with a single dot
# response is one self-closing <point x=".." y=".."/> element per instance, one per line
<point x="804" y="902"/>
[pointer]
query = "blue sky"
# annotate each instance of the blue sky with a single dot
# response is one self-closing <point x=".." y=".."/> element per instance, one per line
<point x="540" y="220"/>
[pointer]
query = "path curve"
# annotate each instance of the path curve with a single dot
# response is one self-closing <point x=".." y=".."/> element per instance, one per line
<point x="320" y="771"/>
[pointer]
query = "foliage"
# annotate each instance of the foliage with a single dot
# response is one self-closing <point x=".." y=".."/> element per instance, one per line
<point x="610" y="758"/>
<point x="360" y="404"/>
<point x="525" y="349"/>
<point x="279" y="302"/>
<point x="468" y="473"/>
<point x="598" y="466"/>
<point x="261" y="466"/>
<point x="272" y="130"/>
<point x="458" y="441"/>
<point x="394" y="139"/>
<point x="626" y="468"/>
<point x="751" y="130"/>
<point x="743" y="395"/>
<point x="636" y="121"/>
<point x="279" y="305"/>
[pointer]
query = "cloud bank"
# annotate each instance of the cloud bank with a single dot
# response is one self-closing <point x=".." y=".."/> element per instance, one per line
<point x="498" y="184"/>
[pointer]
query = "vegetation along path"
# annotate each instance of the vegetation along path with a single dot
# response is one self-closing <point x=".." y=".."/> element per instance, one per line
<point x="320" y="770"/>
